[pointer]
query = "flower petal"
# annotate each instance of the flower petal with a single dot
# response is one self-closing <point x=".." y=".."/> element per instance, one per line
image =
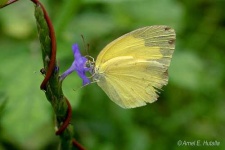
<point x="78" y="65"/>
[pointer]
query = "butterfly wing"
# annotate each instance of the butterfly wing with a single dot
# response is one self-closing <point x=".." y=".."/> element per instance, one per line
<point x="132" y="68"/>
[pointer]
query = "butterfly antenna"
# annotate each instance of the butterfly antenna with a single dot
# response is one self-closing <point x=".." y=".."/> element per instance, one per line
<point x="83" y="40"/>
<point x="86" y="46"/>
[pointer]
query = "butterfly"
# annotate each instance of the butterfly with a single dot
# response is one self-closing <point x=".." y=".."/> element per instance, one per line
<point x="132" y="69"/>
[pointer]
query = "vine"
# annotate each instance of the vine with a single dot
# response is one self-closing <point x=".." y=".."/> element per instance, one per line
<point x="51" y="84"/>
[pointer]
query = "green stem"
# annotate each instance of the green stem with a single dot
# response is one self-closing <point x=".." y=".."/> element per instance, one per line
<point x="51" y="84"/>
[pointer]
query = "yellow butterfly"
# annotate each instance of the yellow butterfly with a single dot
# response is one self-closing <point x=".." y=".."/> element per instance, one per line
<point x="133" y="68"/>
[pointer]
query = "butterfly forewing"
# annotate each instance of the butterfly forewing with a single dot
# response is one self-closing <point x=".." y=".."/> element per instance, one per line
<point x="134" y="67"/>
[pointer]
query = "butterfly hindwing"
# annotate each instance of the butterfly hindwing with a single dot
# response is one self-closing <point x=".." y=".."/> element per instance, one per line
<point x="133" y="68"/>
<point x="129" y="88"/>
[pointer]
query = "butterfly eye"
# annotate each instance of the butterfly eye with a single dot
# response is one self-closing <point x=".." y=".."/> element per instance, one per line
<point x="90" y="63"/>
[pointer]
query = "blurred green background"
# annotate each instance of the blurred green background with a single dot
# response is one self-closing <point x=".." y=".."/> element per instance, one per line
<point x="190" y="107"/>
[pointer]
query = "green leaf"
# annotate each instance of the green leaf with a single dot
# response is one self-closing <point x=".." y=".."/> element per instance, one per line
<point x="186" y="70"/>
<point x="26" y="108"/>
<point x="17" y="25"/>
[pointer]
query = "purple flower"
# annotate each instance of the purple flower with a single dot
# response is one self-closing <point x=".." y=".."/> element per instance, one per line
<point x="78" y="65"/>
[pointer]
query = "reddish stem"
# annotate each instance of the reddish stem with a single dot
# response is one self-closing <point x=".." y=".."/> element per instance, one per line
<point x="51" y="65"/>
<point x="66" y="123"/>
<point x="50" y="71"/>
<point x="67" y="120"/>
<point x="76" y="144"/>
<point x="8" y="3"/>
